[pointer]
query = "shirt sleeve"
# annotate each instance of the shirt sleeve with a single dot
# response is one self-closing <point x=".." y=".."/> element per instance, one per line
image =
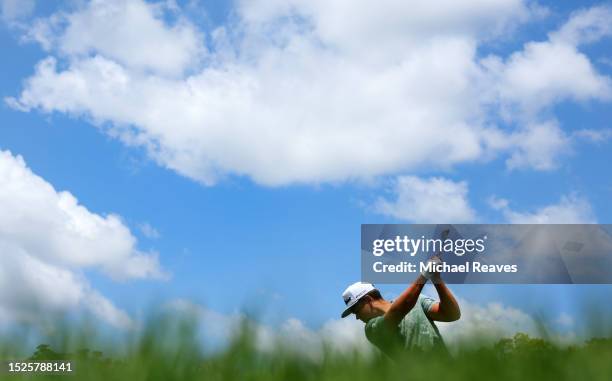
<point x="426" y="303"/>
<point x="372" y="328"/>
<point x="379" y="334"/>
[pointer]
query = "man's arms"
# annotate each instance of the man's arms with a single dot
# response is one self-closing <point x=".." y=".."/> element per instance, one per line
<point x="404" y="303"/>
<point x="447" y="309"/>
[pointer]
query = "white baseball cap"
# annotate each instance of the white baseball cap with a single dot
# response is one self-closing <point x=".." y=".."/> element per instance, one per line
<point x="353" y="293"/>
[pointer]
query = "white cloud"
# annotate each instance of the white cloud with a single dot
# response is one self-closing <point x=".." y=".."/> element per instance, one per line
<point x="302" y="91"/>
<point x="534" y="78"/>
<point x="570" y="209"/>
<point x="594" y="135"/>
<point x="47" y="237"/>
<point x="12" y="10"/>
<point x="149" y="231"/>
<point x="544" y="73"/>
<point x="538" y="146"/>
<point x="45" y="289"/>
<point x="379" y="27"/>
<point x="432" y="200"/>
<point x="488" y="323"/>
<point x="565" y="319"/>
<point x="131" y="33"/>
<point x="585" y="26"/>
<point x="481" y="324"/>
<point x="217" y="329"/>
<point x="53" y="226"/>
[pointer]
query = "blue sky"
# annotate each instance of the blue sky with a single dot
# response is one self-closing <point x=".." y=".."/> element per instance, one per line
<point x="241" y="227"/>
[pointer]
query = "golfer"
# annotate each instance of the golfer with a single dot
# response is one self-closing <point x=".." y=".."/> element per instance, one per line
<point x="406" y="323"/>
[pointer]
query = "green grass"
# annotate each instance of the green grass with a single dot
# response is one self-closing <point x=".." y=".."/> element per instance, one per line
<point x="168" y="349"/>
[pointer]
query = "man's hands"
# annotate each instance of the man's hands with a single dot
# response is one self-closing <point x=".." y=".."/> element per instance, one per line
<point x="433" y="275"/>
<point x="447" y="309"/>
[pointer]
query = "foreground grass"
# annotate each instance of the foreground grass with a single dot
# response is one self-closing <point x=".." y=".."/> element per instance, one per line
<point x="168" y="350"/>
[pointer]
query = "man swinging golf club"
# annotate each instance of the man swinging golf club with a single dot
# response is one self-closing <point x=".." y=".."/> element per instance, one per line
<point x="406" y="322"/>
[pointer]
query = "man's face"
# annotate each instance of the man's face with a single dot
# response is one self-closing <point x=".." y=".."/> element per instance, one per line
<point x="363" y="309"/>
